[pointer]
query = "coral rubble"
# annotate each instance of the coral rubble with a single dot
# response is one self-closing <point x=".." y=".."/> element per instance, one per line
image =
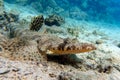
<point x="20" y="49"/>
<point x="6" y="19"/>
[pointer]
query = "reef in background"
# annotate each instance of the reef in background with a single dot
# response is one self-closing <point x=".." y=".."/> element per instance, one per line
<point x="96" y="10"/>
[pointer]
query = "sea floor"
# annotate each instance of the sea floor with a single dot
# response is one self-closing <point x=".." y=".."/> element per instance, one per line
<point x="101" y="64"/>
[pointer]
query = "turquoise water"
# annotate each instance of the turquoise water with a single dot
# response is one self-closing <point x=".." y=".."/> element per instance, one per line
<point x="92" y="14"/>
<point x="94" y="10"/>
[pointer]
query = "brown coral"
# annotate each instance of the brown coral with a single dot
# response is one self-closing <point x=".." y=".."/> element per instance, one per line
<point x="37" y="23"/>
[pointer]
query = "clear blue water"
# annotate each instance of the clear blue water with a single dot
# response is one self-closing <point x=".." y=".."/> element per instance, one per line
<point x="94" y="10"/>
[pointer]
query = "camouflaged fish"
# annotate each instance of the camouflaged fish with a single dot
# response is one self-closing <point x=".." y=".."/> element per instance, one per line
<point x="31" y="46"/>
<point x="59" y="46"/>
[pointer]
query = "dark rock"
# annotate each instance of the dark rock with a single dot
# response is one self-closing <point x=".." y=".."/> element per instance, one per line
<point x="99" y="42"/>
<point x="13" y="17"/>
<point x="118" y="45"/>
<point x="52" y="75"/>
<point x="6" y="19"/>
<point x="2" y="17"/>
<point x="54" y="20"/>
<point x="15" y="69"/>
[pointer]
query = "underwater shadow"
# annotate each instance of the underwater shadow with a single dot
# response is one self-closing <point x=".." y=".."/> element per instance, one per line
<point x="72" y="59"/>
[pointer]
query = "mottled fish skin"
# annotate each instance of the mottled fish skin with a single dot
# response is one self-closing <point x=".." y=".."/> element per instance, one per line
<point x="28" y="49"/>
<point x="71" y="49"/>
<point x="59" y="46"/>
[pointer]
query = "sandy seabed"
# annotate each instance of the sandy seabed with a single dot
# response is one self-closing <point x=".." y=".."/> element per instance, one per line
<point x="101" y="64"/>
